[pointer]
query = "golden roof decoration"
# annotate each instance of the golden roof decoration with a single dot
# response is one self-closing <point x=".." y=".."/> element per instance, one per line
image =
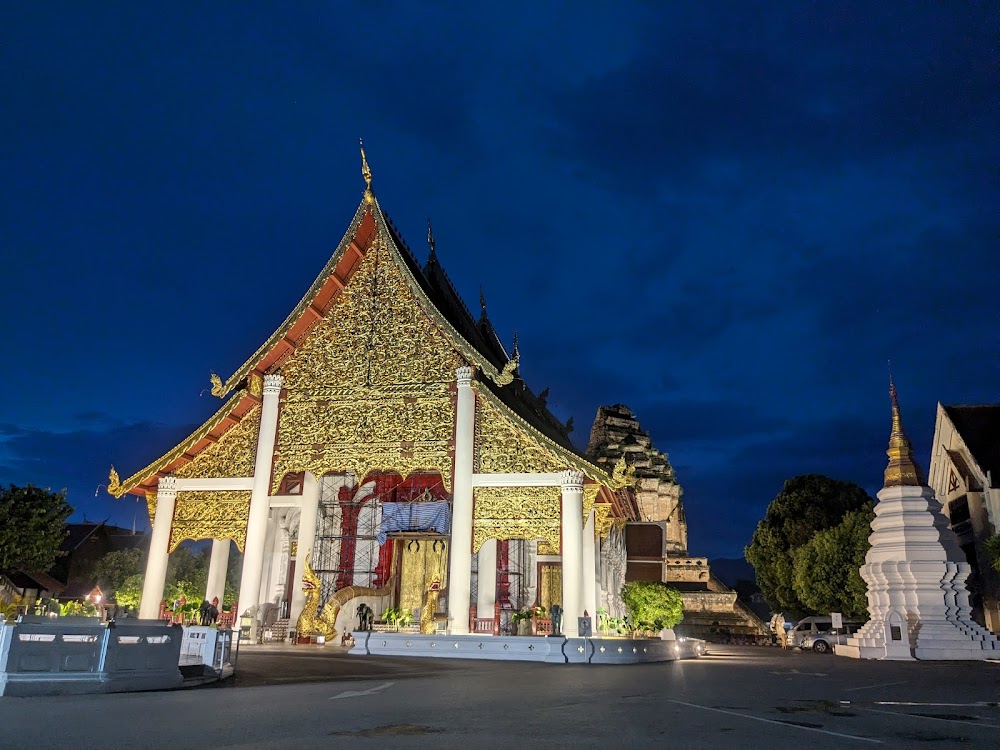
<point x="564" y="456"/>
<point x="366" y="172"/>
<point x="244" y="381"/>
<point x="114" y="483"/>
<point x="218" y="389"/>
<point x="623" y="475"/>
<point x="382" y="238"/>
<point x="506" y="375"/>
<point x="255" y="385"/>
<point x="178" y="450"/>
<point x="902" y="470"/>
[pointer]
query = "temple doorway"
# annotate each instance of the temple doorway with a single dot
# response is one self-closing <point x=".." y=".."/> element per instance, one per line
<point x="549" y="584"/>
<point x="423" y="575"/>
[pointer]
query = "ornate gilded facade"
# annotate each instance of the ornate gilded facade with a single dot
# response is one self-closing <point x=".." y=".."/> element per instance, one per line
<point x="370" y="389"/>
<point x="530" y="513"/>
<point x="232" y="455"/>
<point x="360" y="390"/>
<point x="216" y="514"/>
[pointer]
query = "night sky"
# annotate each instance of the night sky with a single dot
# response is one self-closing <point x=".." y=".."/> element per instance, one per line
<point x="727" y="216"/>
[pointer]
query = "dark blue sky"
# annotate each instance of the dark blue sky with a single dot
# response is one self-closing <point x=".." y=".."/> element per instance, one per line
<point x="726" y="217"/>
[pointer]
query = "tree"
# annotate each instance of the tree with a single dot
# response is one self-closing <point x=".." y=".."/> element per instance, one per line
<point x="991" y="548"/>
<point x="129" y="594"/>
<point x="805" y="505"/>
<point x="32" y="526"/>
<point x="187" y="572"/>
<point x="652" y="605"/>
<point x="114" y="568"/>
<point x="827" y="577"/>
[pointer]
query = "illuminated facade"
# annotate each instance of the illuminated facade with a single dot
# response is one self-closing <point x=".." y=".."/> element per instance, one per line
<point x="383" y="434"/>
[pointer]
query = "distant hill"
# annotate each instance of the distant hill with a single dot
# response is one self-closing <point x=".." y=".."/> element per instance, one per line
<point x="729" y="570"/>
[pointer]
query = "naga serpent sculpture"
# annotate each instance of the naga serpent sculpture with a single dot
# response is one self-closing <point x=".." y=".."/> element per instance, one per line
<point x="429" y="607"/>
<point x="314" y="622"/>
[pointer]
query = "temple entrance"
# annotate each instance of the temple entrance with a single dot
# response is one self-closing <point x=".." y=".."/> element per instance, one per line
<point x="386" y="534"/>
<point x="549" y="584"/>
<point x="423" y="575"/>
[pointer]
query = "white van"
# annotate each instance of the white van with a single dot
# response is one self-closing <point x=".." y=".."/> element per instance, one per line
<point x="812" y="626"/>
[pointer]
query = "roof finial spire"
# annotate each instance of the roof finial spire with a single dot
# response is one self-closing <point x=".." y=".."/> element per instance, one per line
<point x="482" y="302"/>
<point x="902" y="470"/>
<point x="430" y="240"/>
<point x="366" y="172"/>
<point x="515" y="354"/>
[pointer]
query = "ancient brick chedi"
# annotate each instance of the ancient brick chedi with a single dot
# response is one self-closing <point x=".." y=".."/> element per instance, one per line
<point x="616" y="433"/>
<point x="656" y="545"/>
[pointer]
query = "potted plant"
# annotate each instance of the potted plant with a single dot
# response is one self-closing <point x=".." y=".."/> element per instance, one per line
<point x="405" y="618"/>
<point x="391" y="617"/>
<point x="522" y="622"/>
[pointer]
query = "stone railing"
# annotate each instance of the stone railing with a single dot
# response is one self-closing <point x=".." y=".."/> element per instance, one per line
<point x="72" y="655"/>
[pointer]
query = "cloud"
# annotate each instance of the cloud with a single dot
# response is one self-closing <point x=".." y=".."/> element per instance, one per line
<point x="78" y="460"/>
<point x="815" y="84"/>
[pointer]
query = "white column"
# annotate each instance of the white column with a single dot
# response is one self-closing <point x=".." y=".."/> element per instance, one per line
<point x="306" y="542"/>
<point x="487" y="589"/>
<point x="218" y="567"/>
<point x="590" y="570"/>
<point x="572" y="551"/>
<point x="156" y="563"/>
<point x="253" y="555"/>
<point x="267" y="569"/>
<point x="460" y="557"/>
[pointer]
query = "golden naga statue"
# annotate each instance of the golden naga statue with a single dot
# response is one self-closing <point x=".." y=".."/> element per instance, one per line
<point x="506" y="375"/>
<point x="311" y="621"/>
<point x="429" y="607"/>
<point x="623" y="475"/>
<point x="314" y="622"/>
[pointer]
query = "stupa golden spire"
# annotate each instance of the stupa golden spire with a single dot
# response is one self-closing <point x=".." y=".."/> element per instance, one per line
<point x="366" y="172"/>
<point x="902" y="470"/>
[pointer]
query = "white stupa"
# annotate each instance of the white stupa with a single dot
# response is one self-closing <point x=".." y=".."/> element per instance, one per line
<point x="916" y="572"/>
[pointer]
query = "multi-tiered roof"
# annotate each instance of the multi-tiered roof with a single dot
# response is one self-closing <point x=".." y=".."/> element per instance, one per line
<point x="475" y="341"/>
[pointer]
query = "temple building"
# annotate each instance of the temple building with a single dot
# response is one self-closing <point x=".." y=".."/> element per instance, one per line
<point x="656" y="544"/>
<point x="381" y="448"/>
<point x="965" y="476"/>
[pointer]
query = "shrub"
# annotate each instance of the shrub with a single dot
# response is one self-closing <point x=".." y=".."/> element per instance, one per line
<point x="652" y="605"/>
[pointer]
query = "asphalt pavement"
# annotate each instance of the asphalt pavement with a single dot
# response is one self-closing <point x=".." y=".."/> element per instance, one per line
<point x="736" y="697"/>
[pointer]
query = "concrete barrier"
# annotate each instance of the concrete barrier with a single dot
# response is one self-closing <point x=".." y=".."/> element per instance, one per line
<point x="74" y="655"/>
<point x="211" y="647"/>
<point x="547" y="649"/>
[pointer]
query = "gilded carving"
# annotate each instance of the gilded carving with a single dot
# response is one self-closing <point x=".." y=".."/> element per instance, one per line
<point x="506" y="375"/>
<point x="589" y="498"/>
<point x="516" y="513"/>
<point x="424" y="562"/>
<point x="623" y="475"/>
<point x="115" y="484"/>
<point x="232" y="455"/>
<point x="544" y="548"/>
<point x="370" y="387"/>
<point x="214" y="514"/>
<point x="502" y="447"/>
<point x="218" y="389"/>
<point x="151" y="507"/>
<point x="505" y="443"/>
<point x="603" y="520"/>
<point x="255" y="385"/>
<point x="550" y="585"/>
